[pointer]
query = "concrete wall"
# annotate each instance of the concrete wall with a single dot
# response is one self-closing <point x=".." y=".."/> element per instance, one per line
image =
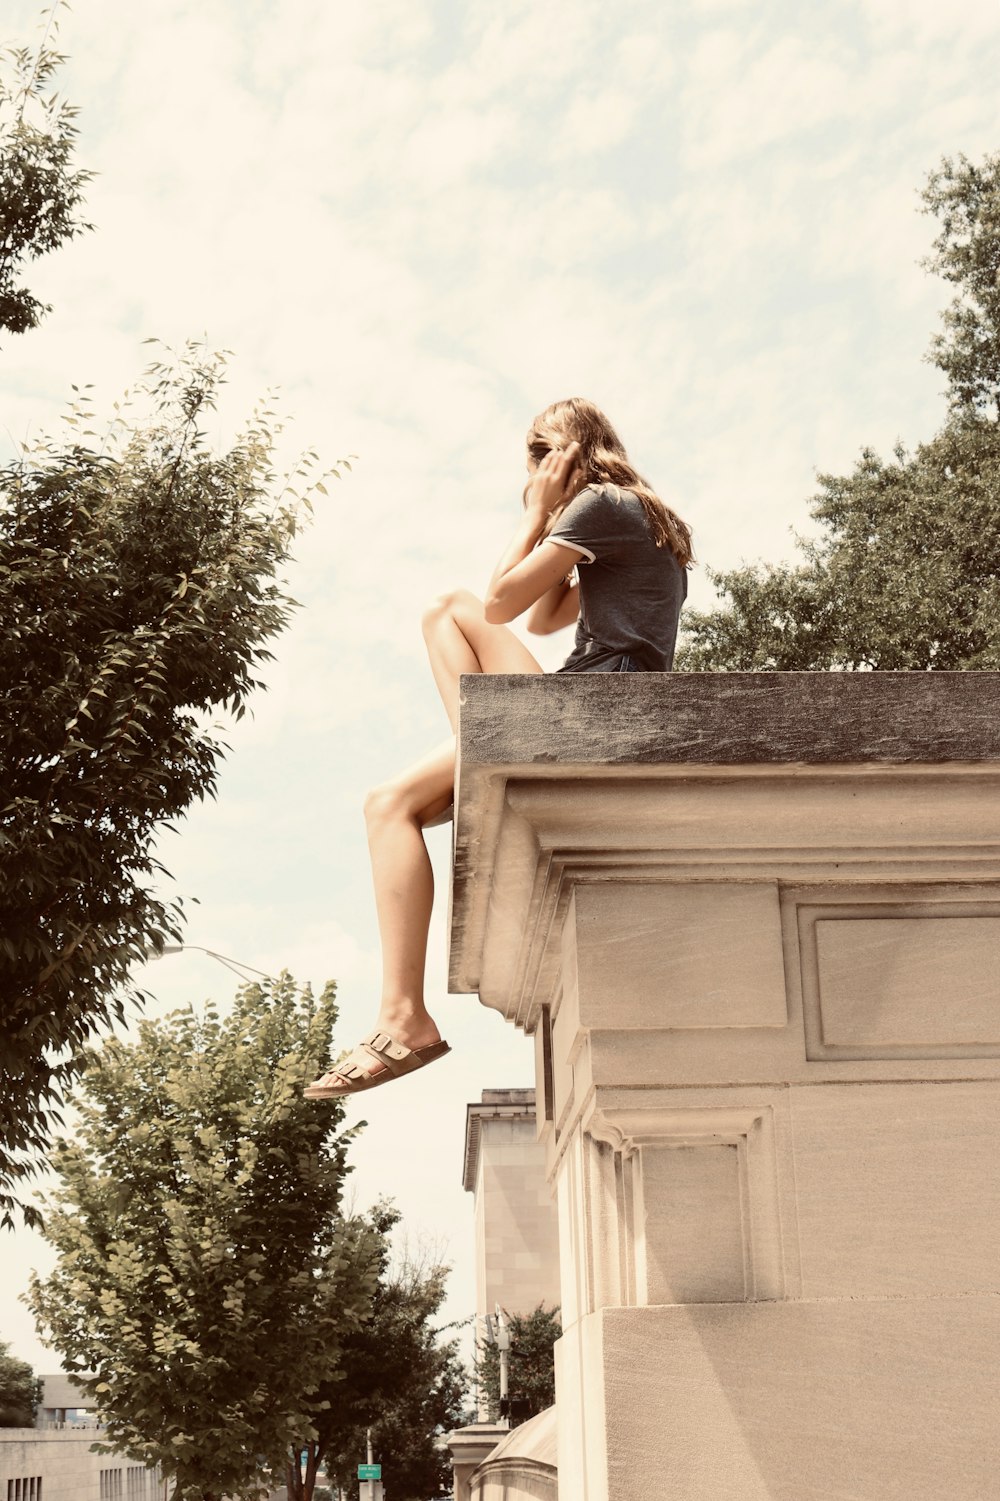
<point x="62" y="1461"/>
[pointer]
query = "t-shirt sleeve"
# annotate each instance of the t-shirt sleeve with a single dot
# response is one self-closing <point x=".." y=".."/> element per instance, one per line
<point x="589" y="524"/>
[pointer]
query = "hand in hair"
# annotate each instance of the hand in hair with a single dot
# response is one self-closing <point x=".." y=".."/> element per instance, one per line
<point x="554" y="483"/>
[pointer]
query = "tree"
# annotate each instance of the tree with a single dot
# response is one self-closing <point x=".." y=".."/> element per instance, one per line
<point x="965" y="199"/>
<point x="20" y="1391"/>
<point x="906" y="572"/>
<point x="401" y="1378"/>
<point x="138" y="585"/>
<point x="40" y="192"/>
<point x="531" y="1369"/>
<point x="206" y="1279"/>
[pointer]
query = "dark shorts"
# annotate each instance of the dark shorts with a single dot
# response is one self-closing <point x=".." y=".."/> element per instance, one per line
<point x="620" y="663"/>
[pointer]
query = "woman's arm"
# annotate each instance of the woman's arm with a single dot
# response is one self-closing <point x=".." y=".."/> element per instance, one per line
<point x="559" y="607"/>
<point x="530" y="567"/>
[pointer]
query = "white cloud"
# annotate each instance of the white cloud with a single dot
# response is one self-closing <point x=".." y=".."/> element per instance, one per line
<point x="919" y="25"/>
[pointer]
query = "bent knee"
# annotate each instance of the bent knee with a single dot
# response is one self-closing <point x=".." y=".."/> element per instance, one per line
<point x="379" y="801"/>
<point x="452" y="603"/>
<point x="387" y="801"/>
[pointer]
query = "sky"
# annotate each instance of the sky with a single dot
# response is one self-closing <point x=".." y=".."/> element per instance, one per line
<point x="420" y="222"/>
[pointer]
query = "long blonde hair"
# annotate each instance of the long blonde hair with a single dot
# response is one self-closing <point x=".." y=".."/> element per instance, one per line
<point x="602" y="460"/>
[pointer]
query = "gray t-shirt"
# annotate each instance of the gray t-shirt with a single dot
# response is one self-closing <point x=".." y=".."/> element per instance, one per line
<point x="631" y="591"/>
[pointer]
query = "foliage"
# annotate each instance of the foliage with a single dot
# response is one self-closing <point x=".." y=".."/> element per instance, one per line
<point x="20" y="1391"/>
<point x="965" y="199"/>
<point x="531" y="1366"/>
<point x="206" y="1278"/>
<point x="40" y="191"/>
<point x="401" y="1378"/>
<point x="905" y="574"/>
<point x="138" y="585"/>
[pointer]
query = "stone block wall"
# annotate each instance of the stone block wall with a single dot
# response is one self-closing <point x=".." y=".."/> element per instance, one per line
<point x="751" y="922"/>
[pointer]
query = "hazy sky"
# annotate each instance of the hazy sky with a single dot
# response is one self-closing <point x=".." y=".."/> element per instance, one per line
<point x="423" y="221"/>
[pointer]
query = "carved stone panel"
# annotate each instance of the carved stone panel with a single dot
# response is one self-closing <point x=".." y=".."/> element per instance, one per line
<point x="705" y="1225"/>
<point x="900" y="977"/>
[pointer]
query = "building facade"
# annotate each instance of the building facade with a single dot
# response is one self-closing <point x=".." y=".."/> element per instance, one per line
<point x="516" y="1225"/>
<point x="54" y="1461"/>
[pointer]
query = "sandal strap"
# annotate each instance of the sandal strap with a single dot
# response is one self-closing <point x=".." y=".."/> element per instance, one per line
<point x="377" y="1047"/>
<point x="391" y="1054"/>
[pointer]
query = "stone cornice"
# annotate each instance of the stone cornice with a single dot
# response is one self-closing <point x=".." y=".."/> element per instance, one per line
<point x="496" y="1104"/>
<point x="782" y="777"/>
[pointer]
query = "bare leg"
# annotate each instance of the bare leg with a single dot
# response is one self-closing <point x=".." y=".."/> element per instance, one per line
<point x="458" y="640"/>
<point x="404" y="889"/>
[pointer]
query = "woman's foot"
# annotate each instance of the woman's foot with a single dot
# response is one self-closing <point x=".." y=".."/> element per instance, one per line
<point x="413" y="1029"/>
<point x="378" y="1059"/>
<point x="400" y="1030"/>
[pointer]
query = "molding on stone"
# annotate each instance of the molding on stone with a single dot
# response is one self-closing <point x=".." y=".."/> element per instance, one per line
<point x="974" y="1010"/>
<point x="750" y="1128"/>
<point x="518" y="858"/>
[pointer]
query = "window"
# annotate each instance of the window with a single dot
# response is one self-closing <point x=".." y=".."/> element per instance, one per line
<point x="135" y="1483"/>
<point x="111" y="1485"/>
<point x="26" y="1488"/>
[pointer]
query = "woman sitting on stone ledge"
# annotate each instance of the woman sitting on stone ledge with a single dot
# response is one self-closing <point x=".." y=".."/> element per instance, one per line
<point x="584" y="505"/>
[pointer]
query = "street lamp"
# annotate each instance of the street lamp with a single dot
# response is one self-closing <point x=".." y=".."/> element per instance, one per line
<point x="499" y="1334"/>
<point x="236" y="965"/>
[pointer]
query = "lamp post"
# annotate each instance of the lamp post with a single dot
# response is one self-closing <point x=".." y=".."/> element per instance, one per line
<point x="503" y="1349"/>
<point x="236" y="965"/>
<point x="498" y="1334"/>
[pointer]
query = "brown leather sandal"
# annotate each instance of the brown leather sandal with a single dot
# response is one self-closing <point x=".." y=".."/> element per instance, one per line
<point x="355" y="1073"/>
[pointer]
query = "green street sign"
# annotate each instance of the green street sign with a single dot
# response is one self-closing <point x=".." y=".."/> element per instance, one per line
<point x="369" y="1472"/>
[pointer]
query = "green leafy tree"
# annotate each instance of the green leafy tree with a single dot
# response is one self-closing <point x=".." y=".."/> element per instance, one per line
<point x="531" y="1365"/>
<point x="965" y="199"/>
<point x="402" y="1377"/>
<point x="905" y="573"/>
<point x="40" y="190"/>
<point x="139" y="583"/>
<point x="20" y="1391"/>
<point x="206" y="1279"/>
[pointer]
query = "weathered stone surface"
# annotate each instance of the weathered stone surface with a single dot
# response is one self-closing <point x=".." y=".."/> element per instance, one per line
<point x="819" y="718"/>
<point x="469" y="1447"/>
<point x="898" y="1189"/>
<point x="692" y="1236"/>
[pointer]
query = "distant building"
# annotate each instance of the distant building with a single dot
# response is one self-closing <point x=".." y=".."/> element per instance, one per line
<point x="53" y="1461"/>
<point x="517" y="1266"/>
<point x="516" y="1224"/>
<point x="63" y="1401"/>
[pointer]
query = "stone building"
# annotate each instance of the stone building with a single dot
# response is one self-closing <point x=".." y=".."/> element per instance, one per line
<point x="752" y="923"/>
<point x="517" y="1267"/>
<point x="516" y="1227"/>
